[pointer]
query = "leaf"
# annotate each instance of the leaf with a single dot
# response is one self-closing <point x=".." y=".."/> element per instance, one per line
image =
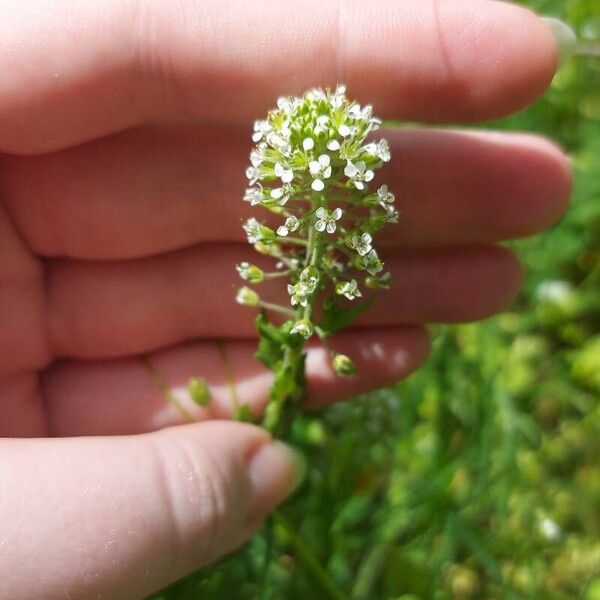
<point x="336" y="317"/>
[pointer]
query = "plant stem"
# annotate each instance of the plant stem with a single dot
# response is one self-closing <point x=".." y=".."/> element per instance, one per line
<point x="165" y="389"/>
<point x="308" y="558"/>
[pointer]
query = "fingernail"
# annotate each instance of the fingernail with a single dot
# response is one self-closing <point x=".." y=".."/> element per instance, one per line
<point x="276" y="470"/>
<point x="565" y="37"/>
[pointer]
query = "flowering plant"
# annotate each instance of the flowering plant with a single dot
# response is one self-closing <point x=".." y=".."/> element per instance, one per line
<point x="312" y="166"/>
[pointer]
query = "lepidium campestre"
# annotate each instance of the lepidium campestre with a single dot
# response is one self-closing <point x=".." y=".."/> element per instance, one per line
<point x="313" y="166"/>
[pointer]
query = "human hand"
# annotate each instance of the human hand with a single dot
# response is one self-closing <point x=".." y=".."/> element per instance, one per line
<point x="124" y="128"/>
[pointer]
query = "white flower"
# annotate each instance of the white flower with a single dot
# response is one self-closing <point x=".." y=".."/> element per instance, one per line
<point x="337" y="98"/>
<point x="321" y="126"/>
<point x="282" y="194"/>
<point x="344" y="130"/>
<point x="253" y="174"/>
<point x="291" y="224"/>
<point x="358" y="173"/>
<point x="255" y="232"/>
<point x="280" y="143"/>
<point x="369" y="262"/>
<point x="310" y="277"/>
<point x="303" y="327"/>
<point x="381" y="150"/>
<point x="549" y="529"/>
<point x="361" y="243"/>
<point x="261" y="128"/>
<point x="333" y="145"/>
<point x="287" y="105"/>
<point x="349" y="289"/>
<point x="320" y="169"/>
<point x="286" y="175"/>
<point x="308" y="144"/>
<point x="253" y="195"/>
<point x="386" y="198"/>
<point x="326" y="220"/>
<point x="299" y="293"/>
<point x="257" y="156"/>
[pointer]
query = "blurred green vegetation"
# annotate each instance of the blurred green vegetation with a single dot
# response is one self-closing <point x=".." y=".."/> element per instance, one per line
<point x="479" y="476"/>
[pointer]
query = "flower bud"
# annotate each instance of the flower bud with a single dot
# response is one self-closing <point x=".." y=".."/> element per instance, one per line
<point x="250" y="272"/>
<point x="382" y="282"/>
<point x="247" y="297"/>
<point x="343" y="365"/>
<point x="198" y="391"/>
<point x="303" y="327"/>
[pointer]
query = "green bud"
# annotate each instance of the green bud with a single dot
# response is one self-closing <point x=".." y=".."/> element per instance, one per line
<point x="376" y="283"/>
<point x="343" y="365"/>
<point x="250" y="272"/>
<point x="247" y="297"/>
<point x="198" y="391"/>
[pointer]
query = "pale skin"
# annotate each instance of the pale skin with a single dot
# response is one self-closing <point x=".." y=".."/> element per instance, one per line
<point x="124" y="133"/>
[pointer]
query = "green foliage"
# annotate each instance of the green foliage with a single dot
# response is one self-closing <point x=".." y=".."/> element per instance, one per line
<point x="479" y="476"/>
<point x="337" y="317"/>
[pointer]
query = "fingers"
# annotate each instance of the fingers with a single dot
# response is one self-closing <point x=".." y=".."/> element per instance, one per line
<point x="115" y="309"/>
<point x="134" y="62"/>
<point x="160" y="188"/>
<point x="123" y="517"/>
<point x="122" y="396"/>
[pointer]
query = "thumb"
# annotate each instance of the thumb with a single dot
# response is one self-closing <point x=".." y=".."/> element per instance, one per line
<point x="119" y="517"/>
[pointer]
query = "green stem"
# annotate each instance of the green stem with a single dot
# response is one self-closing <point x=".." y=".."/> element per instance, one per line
<point x="277" y="308"/>
<point x="165" y="389"/>
<point x="308" y="558"/>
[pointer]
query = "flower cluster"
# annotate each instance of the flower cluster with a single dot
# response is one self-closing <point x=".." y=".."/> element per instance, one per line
<point x="313" y="165"/>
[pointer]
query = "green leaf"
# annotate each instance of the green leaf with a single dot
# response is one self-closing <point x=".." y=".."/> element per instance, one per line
<point x="336" y="317"/>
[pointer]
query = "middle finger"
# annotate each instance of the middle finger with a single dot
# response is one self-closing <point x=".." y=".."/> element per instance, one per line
<point x="164" y="187"/>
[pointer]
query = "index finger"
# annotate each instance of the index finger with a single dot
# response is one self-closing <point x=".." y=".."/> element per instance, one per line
<point x="111" y="64"/>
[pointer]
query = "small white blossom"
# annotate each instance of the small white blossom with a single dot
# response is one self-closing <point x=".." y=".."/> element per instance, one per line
<point x="299" y="293"/>
<point x="308" y="144"/>
<point x="291" y="224"/>
<point x="333" y="145"/>
<point x="287" y="105"/>
<point x="286" y="175"/>
<point x="349" y="289"/>
<point x="320" y="169"/>
<point x="362" y="243"/>
<point x="253" y="196"/>
<point x="358" y="173"/>
<point x="256" y="232"/>
<point x="310" y="277"/>
<point x="261" y="128"/>
<point x="280" y="143"/>
<point x="253" y="174"/>
<point x="386" y="198"/>
<point x="321" y="126"/>
<point x="326" y="220"/>
<point x="555" y="292"/>
<point x="369" y="262"/>
<point x="381" y="150"/>
<point x="303" y="327"/>
<point x="344" y="130"/>
<point x="338" y="97"/>
<point x="282" y="194"/>
<point x="257" y="156"/>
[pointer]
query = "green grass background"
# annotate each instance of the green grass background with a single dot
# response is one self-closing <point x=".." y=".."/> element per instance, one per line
<point x="479" y="476"/>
